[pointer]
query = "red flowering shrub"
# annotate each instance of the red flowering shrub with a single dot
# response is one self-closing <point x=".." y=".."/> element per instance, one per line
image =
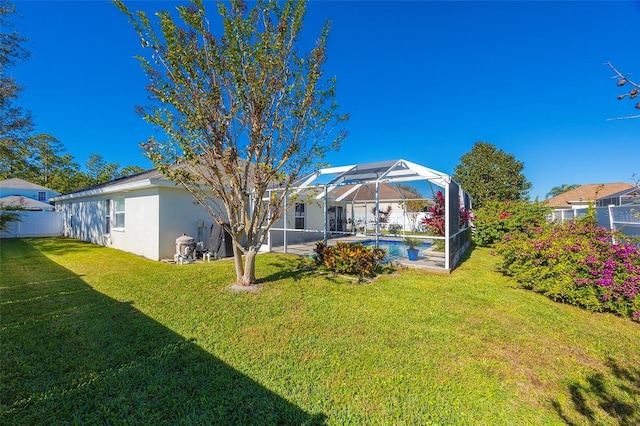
<point x="576" y="263"/>
<point x="435" y="222"/>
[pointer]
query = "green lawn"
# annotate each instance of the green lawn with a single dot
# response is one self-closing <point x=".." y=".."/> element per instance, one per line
<point x="91" y="335"/>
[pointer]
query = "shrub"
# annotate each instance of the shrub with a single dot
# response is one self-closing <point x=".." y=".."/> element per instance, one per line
<point x="349" y="258"/>
<point x="319" y="253"/>
<point x="395" y="228"/>
<point x="576" y="263"/>
<point x="412" y="242"/>
<point x="496" y="219"/>
<point x="8" y="215"/>
<point x="435" y="221"/>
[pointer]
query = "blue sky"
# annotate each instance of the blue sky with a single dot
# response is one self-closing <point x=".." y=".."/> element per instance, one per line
<point x="421" y="80"/>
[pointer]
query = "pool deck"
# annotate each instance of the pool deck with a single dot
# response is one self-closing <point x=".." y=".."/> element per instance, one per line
<point x="427" y="259"/>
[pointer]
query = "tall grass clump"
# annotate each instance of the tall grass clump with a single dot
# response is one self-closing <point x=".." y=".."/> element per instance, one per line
<point x="576" y="263"/>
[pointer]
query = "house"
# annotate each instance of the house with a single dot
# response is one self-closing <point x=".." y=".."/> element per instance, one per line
<point x="20" y="193"/>
<point x="37" y="215"/>
<point x="142" y="214"/>
<point x="615" y="206"/>
<point x="596" y="194"/>
<point x="146" y="213"/>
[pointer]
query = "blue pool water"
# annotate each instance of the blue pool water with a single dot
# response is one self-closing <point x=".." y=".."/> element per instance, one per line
<point x="395" y="249"/>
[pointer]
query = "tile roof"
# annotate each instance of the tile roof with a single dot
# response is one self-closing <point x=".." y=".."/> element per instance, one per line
<point x="586" y="193"/>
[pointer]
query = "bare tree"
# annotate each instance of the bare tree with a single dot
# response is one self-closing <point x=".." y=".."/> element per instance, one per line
<point x="243" y="112"/>
<point x="623" y="80"/>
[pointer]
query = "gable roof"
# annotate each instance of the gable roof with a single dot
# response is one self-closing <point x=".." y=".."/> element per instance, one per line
<point x="587" y="193"/>
<point x="24" y="203"/>
<point x="367" y="192"/>
<point x="17" y="183"/>
<point x="146" y="178"/>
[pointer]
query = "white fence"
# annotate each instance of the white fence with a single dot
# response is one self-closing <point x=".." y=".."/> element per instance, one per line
<point x="625" y="219"/>
<point x="35" y="224"/>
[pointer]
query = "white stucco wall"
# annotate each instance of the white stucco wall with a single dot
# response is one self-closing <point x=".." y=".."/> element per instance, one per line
<point x="140" y="234"/>
<point x="154" y="217"/>
<point x="363" y="211"/>
<point x="84" y="219"/>
<point x="178" y="214"/>
<point x="314" y="220"/>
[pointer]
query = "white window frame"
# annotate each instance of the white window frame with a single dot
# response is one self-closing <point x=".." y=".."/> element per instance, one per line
<point x="119" y="213"/>
<point x="107" y="216"/>
<point x="299" y="216"/>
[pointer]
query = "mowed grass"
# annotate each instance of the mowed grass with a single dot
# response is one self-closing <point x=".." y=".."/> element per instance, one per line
<point x="92" y="335"/>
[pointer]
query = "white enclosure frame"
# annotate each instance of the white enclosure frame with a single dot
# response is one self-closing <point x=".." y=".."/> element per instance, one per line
<point x="322" y="182"/>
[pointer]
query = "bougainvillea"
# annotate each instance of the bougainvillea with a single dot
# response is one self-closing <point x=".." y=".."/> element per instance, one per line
<point x="576" y="263"/>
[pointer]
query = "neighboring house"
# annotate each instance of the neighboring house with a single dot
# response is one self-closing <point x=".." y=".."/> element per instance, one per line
<point x="596" y="194"/>
<point x="142" y="214"/>
<point x="37" y="216"/>
<point x="615" y="206"/>
<point x="17" y="192"/>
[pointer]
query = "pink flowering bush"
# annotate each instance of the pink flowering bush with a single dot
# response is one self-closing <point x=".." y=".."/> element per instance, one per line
<point x="576" y="263"/>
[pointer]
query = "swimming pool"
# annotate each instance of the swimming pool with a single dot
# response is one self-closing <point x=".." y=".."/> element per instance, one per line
<point x="395" y="249"/>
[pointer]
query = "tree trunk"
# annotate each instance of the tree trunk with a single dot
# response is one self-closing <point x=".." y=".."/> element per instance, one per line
<point x="249" y="277"/>
<point x="237" y="258"/>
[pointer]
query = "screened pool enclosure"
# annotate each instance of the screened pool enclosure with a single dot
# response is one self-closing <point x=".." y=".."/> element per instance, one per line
<point x="377" y="204"/>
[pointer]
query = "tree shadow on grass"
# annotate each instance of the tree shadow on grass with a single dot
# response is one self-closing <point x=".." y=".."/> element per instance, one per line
<point x="289" y="267"/>
<point x="611" y="398"/>
<point x="298" y="268"/>
<point x="73" y="355"/>
<point x="58" y="245"/>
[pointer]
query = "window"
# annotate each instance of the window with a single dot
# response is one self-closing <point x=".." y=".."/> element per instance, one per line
<point x="299" y="216"/>
<point x="119" y="213"/>
<point x="42" y="196"/>
<point x="107" y="216"/>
